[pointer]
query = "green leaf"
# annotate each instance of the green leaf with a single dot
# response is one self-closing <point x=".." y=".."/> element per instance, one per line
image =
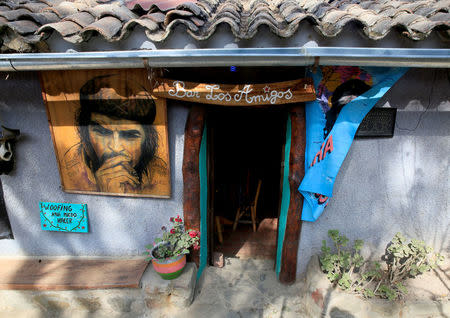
<point x="368" y="293"/>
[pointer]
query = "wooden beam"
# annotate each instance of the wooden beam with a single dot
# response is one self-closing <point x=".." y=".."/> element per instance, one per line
<point x="257" y="95"/>
<point x="191" y="175"/>
<point x="296" y="173"/>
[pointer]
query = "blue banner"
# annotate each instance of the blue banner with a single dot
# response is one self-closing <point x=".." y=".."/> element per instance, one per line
<point x="63" y="217"/>
<point x="345" y="94"/>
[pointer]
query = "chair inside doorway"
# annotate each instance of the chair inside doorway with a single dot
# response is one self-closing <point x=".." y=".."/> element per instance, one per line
<point x="245" y="148"/>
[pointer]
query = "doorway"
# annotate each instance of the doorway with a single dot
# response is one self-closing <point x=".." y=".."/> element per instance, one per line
<point x="245" y="149"/>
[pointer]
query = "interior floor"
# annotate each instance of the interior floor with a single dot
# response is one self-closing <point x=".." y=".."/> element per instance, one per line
<point x="244" y="243"/>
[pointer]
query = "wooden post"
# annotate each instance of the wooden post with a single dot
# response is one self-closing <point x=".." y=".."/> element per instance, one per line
<point x="191" y="174"/>
<point x="296" y="173"/>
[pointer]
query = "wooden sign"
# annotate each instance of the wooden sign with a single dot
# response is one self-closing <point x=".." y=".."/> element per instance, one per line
<point x="63" y="217"/>
<point x="295" y="91"/>
<point x="110" y="134"/>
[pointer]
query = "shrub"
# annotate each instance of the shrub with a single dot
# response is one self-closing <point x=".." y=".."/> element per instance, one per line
<point x="347" y="269"/>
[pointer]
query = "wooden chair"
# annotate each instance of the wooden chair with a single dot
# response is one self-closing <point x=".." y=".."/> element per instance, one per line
<point x="220" y="220"/>
<point x="248" y="208"/>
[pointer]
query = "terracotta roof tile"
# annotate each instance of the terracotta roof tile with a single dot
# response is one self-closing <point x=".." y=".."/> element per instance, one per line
<point x="3" y="22"/>
<point x="83" y="19"/>
<point x="15" y="14"/>
<point x="34" y="6"/>
<point x="157" y="17"/>
<point x="43" y="18"/>
<point x="65" y="28"/>
<point x="148" y="24"/>
<point x="120" y="12"/>
<point x="77" y="20"/>
<point x="109" y="27"/>
<point x="441" y="16"/>
<point x="23" y="26"/>
<point x="163" y="5"/>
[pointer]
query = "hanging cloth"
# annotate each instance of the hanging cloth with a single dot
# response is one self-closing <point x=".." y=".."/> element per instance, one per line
<point x="331" y="123"/>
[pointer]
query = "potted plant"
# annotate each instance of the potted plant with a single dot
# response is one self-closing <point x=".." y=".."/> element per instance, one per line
<point x="168" y="254"/>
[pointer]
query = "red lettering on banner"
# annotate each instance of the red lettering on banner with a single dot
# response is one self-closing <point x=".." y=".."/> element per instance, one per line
<point x="317" y="156"/>
<point x="329" y="146"/>
<point x="323" y="152"/>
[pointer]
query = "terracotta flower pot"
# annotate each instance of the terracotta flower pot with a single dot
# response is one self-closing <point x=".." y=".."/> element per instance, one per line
<point x="169" y="268"/>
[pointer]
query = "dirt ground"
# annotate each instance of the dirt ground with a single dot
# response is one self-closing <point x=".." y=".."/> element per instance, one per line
<point x="433" y="285"/>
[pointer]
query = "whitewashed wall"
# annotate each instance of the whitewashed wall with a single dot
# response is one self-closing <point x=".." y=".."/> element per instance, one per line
<point x="384" y="186"/>
<point x="399" y="184"/>
<point x="117" y="226"/>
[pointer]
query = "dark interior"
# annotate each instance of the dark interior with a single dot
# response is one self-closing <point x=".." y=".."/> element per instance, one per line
<point x="246" y="146"/>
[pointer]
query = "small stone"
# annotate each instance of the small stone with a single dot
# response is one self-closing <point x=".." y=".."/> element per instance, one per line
<point x="90" y="304"/>
<point x="178" y="292"/>
<point x="218" y="260"/>
<point x="315" y="278"/>
<point x="121" y="304"/>
<point x="338" y="313"/>
<point x="422" y="308"/>
<point x="51" y="303"/>
<point x="183" y="287"/>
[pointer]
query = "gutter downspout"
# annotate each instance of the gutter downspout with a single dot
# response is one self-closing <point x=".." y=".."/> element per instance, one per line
<point x="383" y="57"/>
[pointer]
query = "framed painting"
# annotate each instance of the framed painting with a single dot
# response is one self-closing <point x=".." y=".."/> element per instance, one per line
<point x="109" y="133"/>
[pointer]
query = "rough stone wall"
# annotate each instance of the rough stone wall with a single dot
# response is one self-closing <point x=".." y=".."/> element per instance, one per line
<point x="395" y="184"/>
<point x="117" y="226"/>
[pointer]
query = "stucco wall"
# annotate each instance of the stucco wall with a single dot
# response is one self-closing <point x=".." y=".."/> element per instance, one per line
<point x="384" y="186"/>
<point x="118" y="226"/>
<point x="396" y="184"/>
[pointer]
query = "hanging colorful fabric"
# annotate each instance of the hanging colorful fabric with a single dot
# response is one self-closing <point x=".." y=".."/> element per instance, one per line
<point x="331" y="127"/>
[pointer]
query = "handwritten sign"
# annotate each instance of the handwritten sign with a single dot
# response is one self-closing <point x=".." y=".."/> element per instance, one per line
<point x="63" y="217"/>
<point x="295" y="91"/>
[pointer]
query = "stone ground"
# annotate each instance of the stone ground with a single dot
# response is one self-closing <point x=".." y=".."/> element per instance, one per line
<point x="249" y="288"/>
<point x="243" y="288"/>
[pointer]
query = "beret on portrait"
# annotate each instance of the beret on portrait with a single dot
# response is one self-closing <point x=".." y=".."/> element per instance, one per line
<point x="116" y="97"/>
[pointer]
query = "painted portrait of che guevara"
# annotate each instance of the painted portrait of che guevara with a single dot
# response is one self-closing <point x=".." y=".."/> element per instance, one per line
<point x="118" y="143"/>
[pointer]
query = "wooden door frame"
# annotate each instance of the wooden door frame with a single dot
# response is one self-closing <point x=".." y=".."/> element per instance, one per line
<point x="195" y="125"/>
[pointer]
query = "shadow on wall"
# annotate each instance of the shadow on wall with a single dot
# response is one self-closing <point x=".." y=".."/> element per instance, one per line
<point x="421" y="96"/>
<point x="397" y="184"/>
<point x="421" y="88"/>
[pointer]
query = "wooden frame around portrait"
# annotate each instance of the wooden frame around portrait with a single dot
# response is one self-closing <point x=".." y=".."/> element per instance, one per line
<point x="110" y="134"/>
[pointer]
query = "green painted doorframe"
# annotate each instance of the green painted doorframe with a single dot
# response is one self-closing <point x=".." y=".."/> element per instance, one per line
<point x="284" y="209"/>
<point x="285" y="198"/>
<point x="203" y="171"/>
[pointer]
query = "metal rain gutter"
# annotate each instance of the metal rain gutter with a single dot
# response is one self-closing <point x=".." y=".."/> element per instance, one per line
<point x="385" y="57"/>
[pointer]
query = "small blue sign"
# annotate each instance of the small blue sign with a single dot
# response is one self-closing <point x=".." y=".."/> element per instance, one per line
<point x="63" y="217"/>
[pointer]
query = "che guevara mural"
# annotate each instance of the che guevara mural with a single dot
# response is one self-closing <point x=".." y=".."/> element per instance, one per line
<point x="109" y="132"/>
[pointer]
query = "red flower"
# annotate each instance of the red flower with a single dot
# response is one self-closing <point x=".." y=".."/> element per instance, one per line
<point x="196" y="246"/>
<point x="178" y="219"/>
<point x="172" y="231"/>
<point x="192" y="233"/>
<point x="171" y="219"/>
